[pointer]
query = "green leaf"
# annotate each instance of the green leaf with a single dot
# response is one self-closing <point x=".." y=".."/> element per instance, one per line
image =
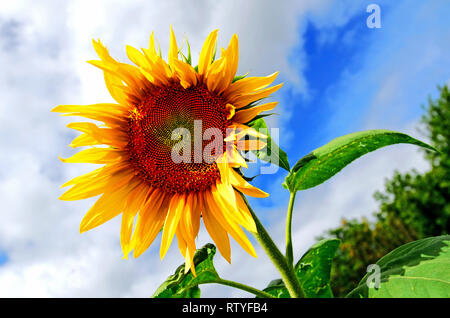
<point x="276" y="288"/>
<point x="324" y="162"/>
<point x="272" y="153"/>
<point x="313" y="269"/>
<point x="181" y="285"/>
<point x="417" y="269"/>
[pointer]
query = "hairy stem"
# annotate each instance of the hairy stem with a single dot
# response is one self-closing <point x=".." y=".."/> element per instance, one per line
<point x="246" y="288"/>
<point x="289" y="250"/>
<point x="286" y="270"/>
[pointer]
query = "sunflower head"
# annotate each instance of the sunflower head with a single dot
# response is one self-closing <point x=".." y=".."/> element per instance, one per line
<point x="173" y="147"/>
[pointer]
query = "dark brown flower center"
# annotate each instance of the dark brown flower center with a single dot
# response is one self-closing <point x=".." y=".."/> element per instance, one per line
<point x="172" y="124"/>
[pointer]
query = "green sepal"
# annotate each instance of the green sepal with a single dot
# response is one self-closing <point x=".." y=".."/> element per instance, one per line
<point x="189" y="57"/>
<point x="213" y="58"/>
<point x="237" y="78"/>
<point x="263" y="115"/>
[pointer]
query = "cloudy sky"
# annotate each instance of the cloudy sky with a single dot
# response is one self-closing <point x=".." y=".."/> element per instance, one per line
<point x="339" y="75"/>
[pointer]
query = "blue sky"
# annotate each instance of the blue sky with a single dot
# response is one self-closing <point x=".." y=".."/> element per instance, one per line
<point x="348" y="65"/>
<point x="339" y="75"/>
<point x="346" y="70"/>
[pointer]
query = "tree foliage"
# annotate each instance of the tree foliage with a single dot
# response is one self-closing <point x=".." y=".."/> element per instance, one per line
<point x="411" y="207"/>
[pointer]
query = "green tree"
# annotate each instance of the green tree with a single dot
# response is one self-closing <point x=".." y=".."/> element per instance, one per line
<point x="411" y="207"/>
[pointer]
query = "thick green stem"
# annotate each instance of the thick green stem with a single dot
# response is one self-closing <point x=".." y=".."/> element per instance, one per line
<point x="249" y="289"/>
<point x="286" y="270"/>
<point x="289" y="249"/>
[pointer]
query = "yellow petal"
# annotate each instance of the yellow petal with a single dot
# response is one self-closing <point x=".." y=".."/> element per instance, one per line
<point x="231" y="110"/>
<point x="156" y="75"/>
<point x="231" y="54"/>
<point x="102" y="51"/>
<point x="99" y="173"/>
<point x="215" y="230"/>
<point x="156" y="69"/>
<point x="109" y="136"/>
<point x="113" y="115"/>
<point x="113" y="84"/>
<point x="149" y="223"/>
<point x="243" y="131"/>
<point x="243" y="209"/>
<point x="182" y="246"/>
<point x="223" y="168"/>
<point x="112" y="81"/>
<point x="228" y="196"/>
<point x="214" y="75"/>
<point x="246" y="99"/>
<point x="84" y="140"/>
<point x="137" y="57"/>
<point x="95" y="186"/>
<point x="110" y="121"/>
<point x="126" y="73"/>
<point x="104" y="108"/>
<point x="249" y="85"/>
<point x="216" y="205"/>
<point x="190" y="261"/>
<point x="151" y="46"/>
<point x="185" y="72"/>
<point x="176" y="206"/>
<point x="246" y="115"/>
<point x="134" y="203"/>
<point x="239" y="183"/>
<point x="186" y="244"/>
<point x="187" y="250"/>
<point x="190" y="218"/>
<point x="173" y="49"/>
<point x="234" y="159"/>
<point x="107" y="207"/>
<point x="207" y="52"/>
<point x="251" y="144"/>
<point x="95" y="155"/>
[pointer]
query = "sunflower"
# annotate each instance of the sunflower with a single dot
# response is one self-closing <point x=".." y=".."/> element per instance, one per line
<point x="135" y="143"/>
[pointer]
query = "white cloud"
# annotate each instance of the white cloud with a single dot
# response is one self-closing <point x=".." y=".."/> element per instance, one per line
<point x="44" y="47"/>
<point x="42" y="64"/>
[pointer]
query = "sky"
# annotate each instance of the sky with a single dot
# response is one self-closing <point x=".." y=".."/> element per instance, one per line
<point x="339" y="77"/>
